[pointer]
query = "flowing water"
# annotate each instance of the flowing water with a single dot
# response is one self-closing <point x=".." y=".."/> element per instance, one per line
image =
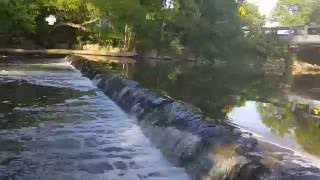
<point x="55" y="124"/>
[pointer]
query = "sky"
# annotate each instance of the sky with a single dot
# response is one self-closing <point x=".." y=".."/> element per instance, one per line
<point x="265" y="6"/>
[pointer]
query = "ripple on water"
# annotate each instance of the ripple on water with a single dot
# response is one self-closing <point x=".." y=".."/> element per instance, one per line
<point x="70" y="131"/>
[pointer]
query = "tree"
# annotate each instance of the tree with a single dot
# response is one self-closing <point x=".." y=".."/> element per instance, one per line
<point x="206" y="29"/>
<point x="74" y="13"/>
<point x="17" y="16"/>
<point x="315" y="15"/>
<point x="295" y="12"/>
<point x="252" y="19"/>
<point x="186" y="28"/>
<point x="125" y="16"/>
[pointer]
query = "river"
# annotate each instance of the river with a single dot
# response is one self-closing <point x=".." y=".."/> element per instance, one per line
<point x="56" y="125"/>
<point x="276" y="110"/>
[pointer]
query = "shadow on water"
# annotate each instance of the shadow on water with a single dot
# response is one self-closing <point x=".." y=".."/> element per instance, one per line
<point x="21" y="93"/>
<point x="245" y="98"/>
<point x="213" y="89"/>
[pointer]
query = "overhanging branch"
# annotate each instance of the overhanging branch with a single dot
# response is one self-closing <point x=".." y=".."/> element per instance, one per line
<point x="78" y="26"/>
<point x="90" y="21"/>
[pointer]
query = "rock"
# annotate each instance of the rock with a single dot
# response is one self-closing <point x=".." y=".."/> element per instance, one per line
<point x="246" y="145"/>
<point x="251" y="171"/>
<point x="188" y="148"/>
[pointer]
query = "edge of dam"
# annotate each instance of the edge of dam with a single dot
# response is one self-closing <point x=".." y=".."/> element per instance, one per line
<point x="206" y="148"/>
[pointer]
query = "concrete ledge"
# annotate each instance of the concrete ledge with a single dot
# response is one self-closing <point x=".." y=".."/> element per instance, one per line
<point x="207" y="149"/>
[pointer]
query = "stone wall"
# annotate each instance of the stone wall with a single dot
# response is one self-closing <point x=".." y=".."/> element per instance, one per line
<point x="207" y="149"/>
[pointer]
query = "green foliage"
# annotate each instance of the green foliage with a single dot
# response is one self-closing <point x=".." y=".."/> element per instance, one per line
<point x="207" y="28"/>
<point x="306" y="12"/>
<point x="267" y="45"/>
<point x="287" y="123"/>
<point x="17" y="16"/>
<point x="280" y="119"/>
<point x="200" y="29"/>
<point x="207" y="87"/>
<point x="75" y="11"/>
<point x="253" y="19"/>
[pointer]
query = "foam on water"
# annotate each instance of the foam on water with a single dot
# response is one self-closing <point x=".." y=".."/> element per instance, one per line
<point x="88" y="137"/>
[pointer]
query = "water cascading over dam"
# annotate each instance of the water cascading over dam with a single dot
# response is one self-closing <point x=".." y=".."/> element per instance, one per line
<point x="55" y="124"/>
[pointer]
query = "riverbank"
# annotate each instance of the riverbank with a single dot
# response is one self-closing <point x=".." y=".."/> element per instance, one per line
<point x="303" y="68"/>
<point x="66" y="52"/>
<point x="206" y="148"/>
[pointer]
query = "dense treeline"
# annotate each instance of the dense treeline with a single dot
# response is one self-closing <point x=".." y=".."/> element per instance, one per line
<point x="297" y="12"/>
<point x="198" y="29"/>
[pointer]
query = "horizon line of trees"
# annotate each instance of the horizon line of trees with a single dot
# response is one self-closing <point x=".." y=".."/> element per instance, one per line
<point x="199" y="29"/>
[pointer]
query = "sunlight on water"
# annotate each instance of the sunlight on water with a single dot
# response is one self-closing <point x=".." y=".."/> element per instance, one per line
<point x="251" y="117"/>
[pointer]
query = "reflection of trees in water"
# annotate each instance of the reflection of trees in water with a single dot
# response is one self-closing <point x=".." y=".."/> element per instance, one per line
<point x="308" y="133"/>
<point x="217" y="90"/>
<point x="279" y="119"/>
<point x="283" y="121"/>
<point x="211" y="89"/>
<point x="24" y="94"/>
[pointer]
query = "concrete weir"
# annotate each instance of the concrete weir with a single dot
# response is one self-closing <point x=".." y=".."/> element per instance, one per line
<point x="207" y="149"/>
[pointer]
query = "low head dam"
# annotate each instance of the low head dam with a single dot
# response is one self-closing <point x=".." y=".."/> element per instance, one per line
<point x="206" y="148"/>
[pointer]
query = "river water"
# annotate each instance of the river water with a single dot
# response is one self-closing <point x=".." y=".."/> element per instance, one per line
<point x="277" y="110"/>
<point x="288" y="120"/>
<point x="55" y="124"/>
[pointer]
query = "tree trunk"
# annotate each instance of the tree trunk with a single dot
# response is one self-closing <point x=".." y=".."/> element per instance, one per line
<point x="129" y="38"/>
<point x="126" y="36"/>
<point x="162" y="36"/>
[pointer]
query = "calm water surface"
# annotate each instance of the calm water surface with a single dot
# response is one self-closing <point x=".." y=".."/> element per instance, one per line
<point x="277" y="110"/>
